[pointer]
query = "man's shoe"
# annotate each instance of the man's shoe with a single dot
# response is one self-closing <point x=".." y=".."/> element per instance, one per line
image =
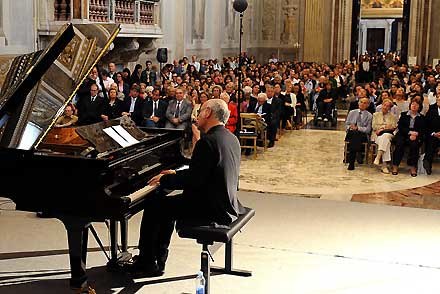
<point x="385" y="170"/>
<point x="141" y="269"/>
<point x="271" y="144"/>
<point x="350" y="166"/>
<point x="319" y="118"/>
<point x="427" y="166"/>
<point x="326" y="119"/>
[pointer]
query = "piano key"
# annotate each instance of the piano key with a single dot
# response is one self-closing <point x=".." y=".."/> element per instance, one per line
<point x="141" y="193"/>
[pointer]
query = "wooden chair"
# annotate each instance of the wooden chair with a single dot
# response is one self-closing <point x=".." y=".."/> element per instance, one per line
<point x="251" y="126"/>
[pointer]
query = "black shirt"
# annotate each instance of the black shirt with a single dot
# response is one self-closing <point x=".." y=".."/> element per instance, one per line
<point x="210" y="184"/>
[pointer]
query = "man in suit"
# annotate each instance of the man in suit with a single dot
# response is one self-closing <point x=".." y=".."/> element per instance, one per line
<point x="362" y="93"/>
<point x="178" y="113"/>
<point x="209" y="190"/>
<point x="134" y="105"/>
<point x="155" y="110"/>
<point x="91" y="107"/>
<point x="432" y="135"/>
<point x="358" y="126"/>
<point x="260" y="106"/>
<point x="276" y="105"/>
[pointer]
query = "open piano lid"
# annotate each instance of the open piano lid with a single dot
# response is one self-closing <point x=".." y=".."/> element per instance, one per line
<point x="38" y="96"/>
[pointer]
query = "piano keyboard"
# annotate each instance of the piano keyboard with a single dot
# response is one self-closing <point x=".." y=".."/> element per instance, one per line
<point x="141" y="193"/>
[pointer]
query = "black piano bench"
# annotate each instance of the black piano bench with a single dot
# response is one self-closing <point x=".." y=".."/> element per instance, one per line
<point x="207" y="235"/>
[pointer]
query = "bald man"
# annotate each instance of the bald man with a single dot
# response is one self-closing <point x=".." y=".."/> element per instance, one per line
<point x="209" y="190"/>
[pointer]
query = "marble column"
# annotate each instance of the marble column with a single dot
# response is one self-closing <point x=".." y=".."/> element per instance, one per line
<point x="363" y="39"/>
<point x="388" y="30"/>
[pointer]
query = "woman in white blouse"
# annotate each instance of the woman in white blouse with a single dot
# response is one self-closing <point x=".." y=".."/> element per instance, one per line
<point x="384" y="123"/>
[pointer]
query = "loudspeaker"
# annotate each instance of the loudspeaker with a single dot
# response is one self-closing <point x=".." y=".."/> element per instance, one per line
<point x="162" y="55"/>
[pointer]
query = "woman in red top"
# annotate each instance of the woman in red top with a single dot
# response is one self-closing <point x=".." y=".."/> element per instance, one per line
<point x="231" y="125"/>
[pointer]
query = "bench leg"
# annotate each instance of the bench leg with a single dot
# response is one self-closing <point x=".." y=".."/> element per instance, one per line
<point x="228" y="264"/>
<point x="206" y="267"/>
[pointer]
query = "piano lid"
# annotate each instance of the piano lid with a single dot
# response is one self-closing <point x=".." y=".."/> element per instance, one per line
<point x="37" y="110"/>
<point x="19" y="74"/>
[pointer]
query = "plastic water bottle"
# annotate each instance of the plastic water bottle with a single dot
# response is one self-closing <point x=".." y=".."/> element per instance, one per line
<point x="200" y="283"/>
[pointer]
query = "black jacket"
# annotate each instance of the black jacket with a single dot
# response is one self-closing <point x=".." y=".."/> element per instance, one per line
<point x="432" y="120"/>
<point x="210" y="184"/>
<point x="90" y="112"/>
<point x="147" y="112"/>
<point x="419" y="126"/>
<point x="136" y="116"/>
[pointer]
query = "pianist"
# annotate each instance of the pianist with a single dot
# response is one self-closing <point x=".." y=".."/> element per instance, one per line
<point x="209" y="190"/>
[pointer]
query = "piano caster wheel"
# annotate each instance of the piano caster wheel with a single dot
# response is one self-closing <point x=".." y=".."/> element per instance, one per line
<point x="118" y="264"/>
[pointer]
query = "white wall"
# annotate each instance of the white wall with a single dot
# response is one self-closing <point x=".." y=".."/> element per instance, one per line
<point x="17" y="26"/>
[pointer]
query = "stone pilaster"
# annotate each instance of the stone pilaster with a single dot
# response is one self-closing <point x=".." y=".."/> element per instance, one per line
<point x="434" y="41"/>
<point x="317" y="30"/>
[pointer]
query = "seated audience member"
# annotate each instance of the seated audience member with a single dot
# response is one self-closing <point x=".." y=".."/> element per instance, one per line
<point x="326" y="102"/>
<point x="216" y="91"/>
<point x="106" y="80"/>
<point x="91" y="108"/>
<point x="261" y="107"/>
<point x="215" y="168"/>
<point x="133" y="105"/>
<point x="411" y="132"/>
<point x="300" y="106"/>
<point x="400" y="101"/>
<point x="67" y="119"/>
<point x="385" y="95"/>
<point x="114" y="106"/>
<point x="178" y="113"/>
<point x="384" y="124"/>
<point x="231" y="125"/>
<point x="120" y="95"/>
<point x="193" y="97"/>
<point x="432" y="134"/>
<point x="203" y="97"/>
<point x="247" y="99"/>
<point x="358" y="126"/>
<point x="362" y="93"/>
<point x="154" y="111"/>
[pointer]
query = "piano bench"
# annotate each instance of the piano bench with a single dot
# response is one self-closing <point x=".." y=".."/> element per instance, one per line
<point x="208" y="235"/>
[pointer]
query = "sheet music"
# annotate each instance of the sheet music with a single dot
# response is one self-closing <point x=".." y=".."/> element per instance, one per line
<point x="115" y="136"/>
<point x="124" y="134"/>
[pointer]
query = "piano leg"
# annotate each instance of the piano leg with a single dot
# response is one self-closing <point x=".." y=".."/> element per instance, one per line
<point x="77" y="235"/>
<point x="118" y="260"/>
<point x="113" y="240"/>
<point x="124" y="235"/>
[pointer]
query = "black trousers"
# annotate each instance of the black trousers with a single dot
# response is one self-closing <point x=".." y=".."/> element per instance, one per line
<point x="355" y="140"/>
<point x="158" y="221"/>
<point x="432" y="143"/>
<point x="272" y="129"/>
<point x="401" y="141"/>
<point x="325" y="109"/>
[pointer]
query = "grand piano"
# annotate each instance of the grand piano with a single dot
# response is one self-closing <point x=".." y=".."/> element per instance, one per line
<point x="80" y="175"/>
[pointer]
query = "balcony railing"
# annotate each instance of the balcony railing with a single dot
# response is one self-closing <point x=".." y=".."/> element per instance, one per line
<point x="118" y="11"/>
<point x="62" y="10"/>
